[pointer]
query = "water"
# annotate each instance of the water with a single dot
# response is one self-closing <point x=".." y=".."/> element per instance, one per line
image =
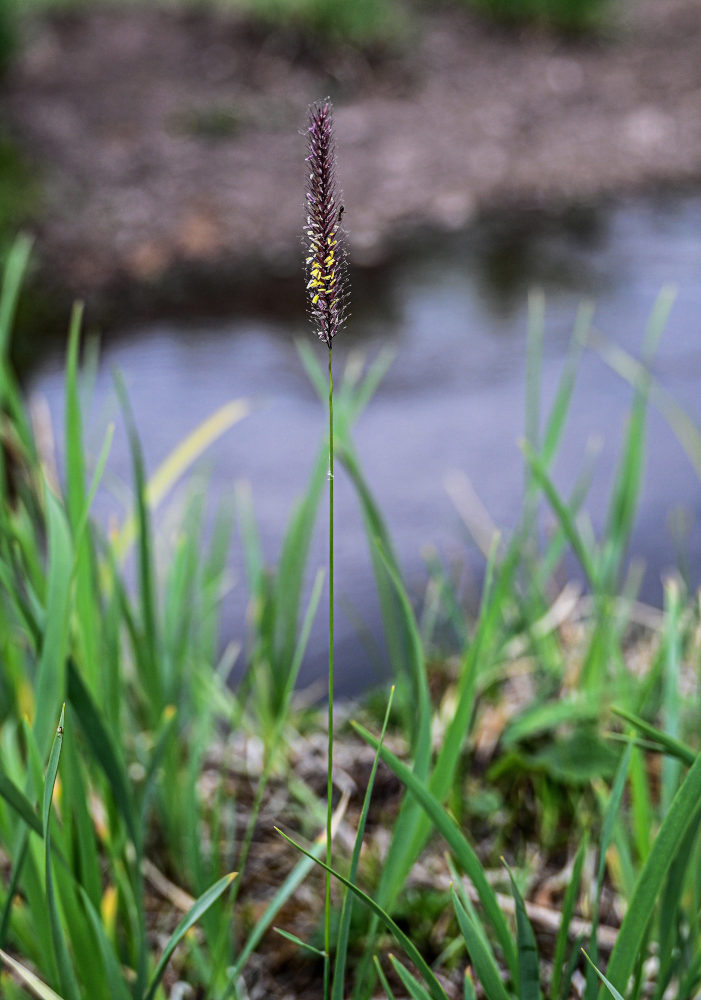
<point x="454" y="310"/>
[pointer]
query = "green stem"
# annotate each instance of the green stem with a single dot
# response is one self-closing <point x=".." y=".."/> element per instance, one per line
<point x="329" y="785"/>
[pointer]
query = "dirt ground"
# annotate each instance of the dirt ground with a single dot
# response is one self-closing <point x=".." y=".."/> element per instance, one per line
<point x="169" y="141"/>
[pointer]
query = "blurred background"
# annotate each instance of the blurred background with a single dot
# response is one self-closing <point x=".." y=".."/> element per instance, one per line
<point x="486" y="148"/>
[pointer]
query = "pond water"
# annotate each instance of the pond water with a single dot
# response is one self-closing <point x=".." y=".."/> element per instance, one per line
<point x="454" y="309"/>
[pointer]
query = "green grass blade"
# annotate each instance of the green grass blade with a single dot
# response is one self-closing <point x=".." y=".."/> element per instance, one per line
<point x="66" y="975"/>
<point x="288" y="887"/>
<point x="379" y="541"/>
<point x="435" y="989"/>
<point x="609" y="986"/>
<point x="347" y="908"/>
<point x="288" y="585"/>
<point x="411" y="983"/>
<point x="673" y="747"/>
<point x="368" y="387"/>
<point x="20" y="803"/>
<point x="383" y="978"/>
<point x="304" y="945"/>
<point x="148" y="642"/>
<point x="113" y="970"/>
<point x="671" y="697"/>
<point x="482" y="959"/>
<point x="189" y="920"/>
<point x="15" y="267"/>
<point x="458" y="843"/>
<point x="75" y="460"/>
<point x="684" y="810"/>
<point x="568" y="905"/>
<point x="49" y="686"/>
<point x="313" y="369"/>
<point x="558" y="412"/>
<point x="564" y="515"/>
<point x="32" y="981"/>
<point x="103" y="749"/>
<point x="528" y="961"/>
<point x="417" y="672"/>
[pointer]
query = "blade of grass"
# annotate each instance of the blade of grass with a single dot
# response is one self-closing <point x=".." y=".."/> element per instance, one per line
<point x="411" y="983"/>
<point x="528" y="961"/>
<point x="304" y="945"/>
<point x="383" y="978"/>
<point x="149" y="659"/>
<point x="179" y="460"/>
<point x="671" y="746"/>
<point x="49" y="685"/>
<point x="347" y="908"/>
<point x="568" y="905"/>
<point x="684" y="810"/>
<point x="200" y="906"/>
<point x="15" y="268"/>
<point x="482" y="958"/>
<point x="435" y="989"/>
<point x="609" y="986"/>
<point x="66" y="975"/>
<point x="113" y="970"/>
<point x="103" y="749"/>
<point x="458" y="843"/>
<point x="20" y="803"/>
<point x="32" y="981"/>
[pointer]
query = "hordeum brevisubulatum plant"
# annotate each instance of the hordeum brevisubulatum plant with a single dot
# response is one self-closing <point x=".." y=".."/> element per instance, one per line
<point x="327" y="291"/>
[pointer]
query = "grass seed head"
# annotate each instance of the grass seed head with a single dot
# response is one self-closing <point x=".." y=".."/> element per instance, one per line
<point x="324" y="237"/>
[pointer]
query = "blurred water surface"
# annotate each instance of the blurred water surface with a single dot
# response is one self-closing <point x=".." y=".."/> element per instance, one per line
<point x="455" y="311"/>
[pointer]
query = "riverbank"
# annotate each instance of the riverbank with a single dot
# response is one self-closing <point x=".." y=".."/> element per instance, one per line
<point x="168" y="142"/>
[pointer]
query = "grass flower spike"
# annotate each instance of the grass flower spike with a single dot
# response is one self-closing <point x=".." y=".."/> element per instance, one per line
<point x="325" y="263"/>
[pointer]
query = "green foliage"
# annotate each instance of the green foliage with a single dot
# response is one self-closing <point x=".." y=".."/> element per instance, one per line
<point x="602" y="757"/>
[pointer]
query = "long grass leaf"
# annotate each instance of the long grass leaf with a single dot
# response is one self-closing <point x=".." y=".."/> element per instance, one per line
<point x="200" y="906"/>
<point x="482" y="958"/>
<point x="347" y="908"/>
<point x="568" y="906"/>
<point x="103" y="749"/>
<point x="383" y="978"/>
<point x="463" y="852"/>
<point x="66" y="975"/>
<point x="609" y="986"/>
<point x="15" y="267"/>
<point x="411" y="983"/>
<point x="49" y="685"/>
<point x="20" y="803"/>
<point x="684" y="810"/>
<point x="435" y="989"/>
<point x="564" y="515"/>
<point x="29" y="978"/>
<point x="113" y="971"/>
<point x="528" y="962"/>
<point x="671" y="746"/>
<point x="179" y="460"/>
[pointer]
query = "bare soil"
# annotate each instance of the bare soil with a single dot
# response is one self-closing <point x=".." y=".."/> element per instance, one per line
<point x="169" y="142"/>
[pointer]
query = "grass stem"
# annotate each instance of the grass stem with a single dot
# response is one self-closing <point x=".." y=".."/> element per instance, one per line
<point x="329" y="784"/>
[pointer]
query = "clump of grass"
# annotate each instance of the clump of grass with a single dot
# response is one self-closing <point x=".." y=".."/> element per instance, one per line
<point x="114" y="693"/>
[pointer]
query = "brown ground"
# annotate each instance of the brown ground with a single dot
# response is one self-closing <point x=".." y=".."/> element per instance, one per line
<point x="168" y="139"/>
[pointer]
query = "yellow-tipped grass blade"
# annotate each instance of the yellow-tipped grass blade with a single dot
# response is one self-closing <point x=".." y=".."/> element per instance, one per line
<point x="179" y="461"/>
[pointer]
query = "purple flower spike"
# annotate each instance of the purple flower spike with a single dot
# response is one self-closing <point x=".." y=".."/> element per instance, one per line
<point x="326" y="261"/>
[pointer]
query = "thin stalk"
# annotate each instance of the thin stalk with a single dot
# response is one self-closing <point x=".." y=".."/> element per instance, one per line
<point x="329" y="783"/>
